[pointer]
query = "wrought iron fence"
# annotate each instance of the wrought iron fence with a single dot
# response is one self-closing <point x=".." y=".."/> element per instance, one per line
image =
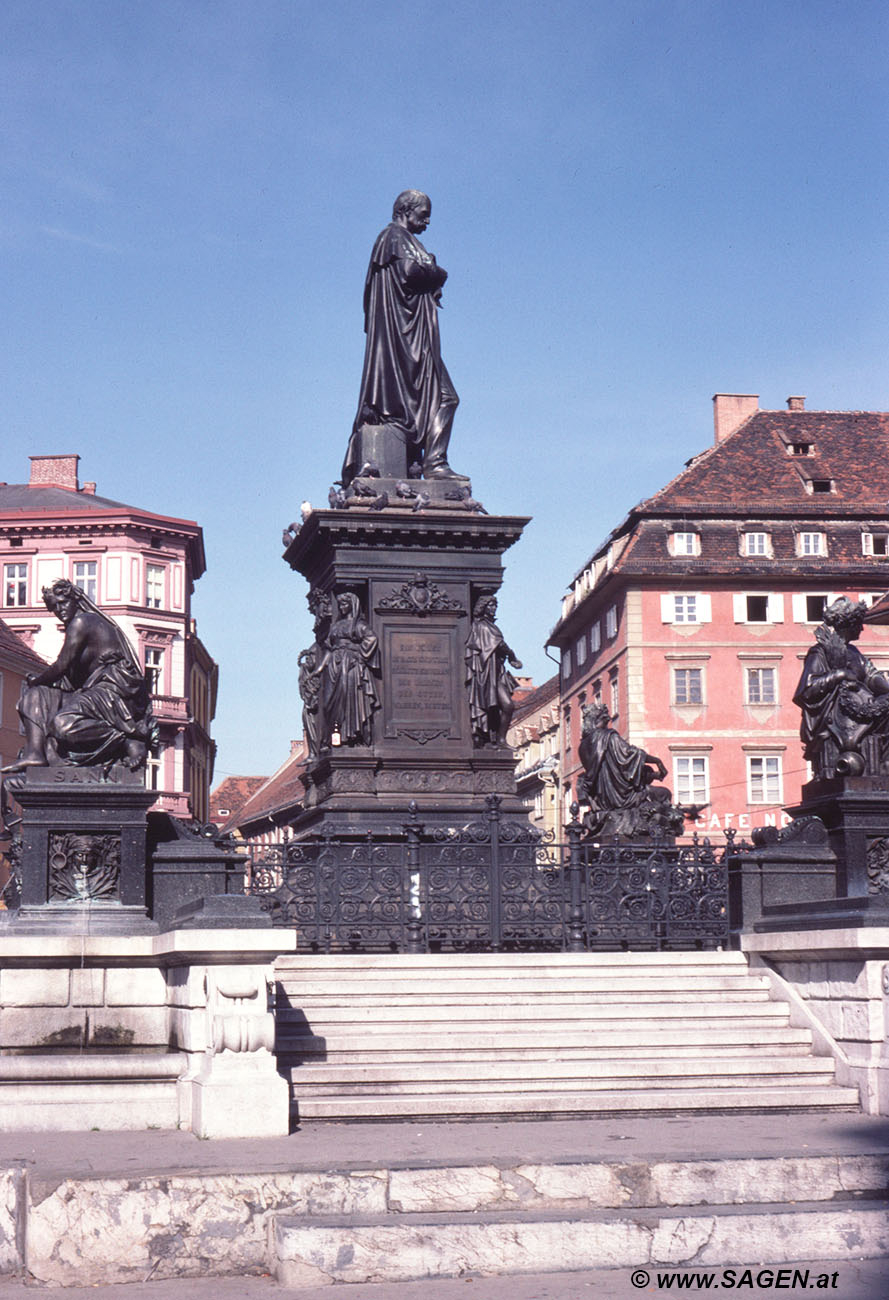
<point x="492" y="885"/>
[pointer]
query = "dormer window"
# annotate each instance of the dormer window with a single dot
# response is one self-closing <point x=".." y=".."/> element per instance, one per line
<point x="757" y="544"/>
<point x="820" y="485"/>
<point x="685" y="543"/>
<point x="801" y="449"/>
<point x="811" y="544"/>
<point x="875" y="543"/>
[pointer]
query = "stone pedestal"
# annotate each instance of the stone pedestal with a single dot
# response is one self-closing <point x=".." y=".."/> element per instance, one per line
<point x="83" y="850"/>
<point x="828" y="868"/>
<point x="417" y="575"/>
<point x="170" y="1030"/>
<point x="837" y="983"/>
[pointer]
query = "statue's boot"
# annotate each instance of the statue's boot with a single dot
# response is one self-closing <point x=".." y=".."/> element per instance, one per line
<point x="441" y="470"/>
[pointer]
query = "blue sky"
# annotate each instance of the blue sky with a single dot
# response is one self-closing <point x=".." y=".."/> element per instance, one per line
<point x="639" y="204"/>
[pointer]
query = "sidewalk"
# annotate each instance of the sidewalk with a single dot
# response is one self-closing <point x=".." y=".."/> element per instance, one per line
<point x="860" y="1280"/>
<point x="55" y="1156"/>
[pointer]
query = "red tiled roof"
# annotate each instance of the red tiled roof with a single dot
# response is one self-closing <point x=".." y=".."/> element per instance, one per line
<point x="280" y="792"/>
<point x="537" y="699"/>
<point x="19" y="655"/>
<point x="231" y="795"/>
<point x="752" y="469"/>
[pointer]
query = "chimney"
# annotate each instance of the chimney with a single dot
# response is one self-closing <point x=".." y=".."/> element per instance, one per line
<point x="54" y="471"/>
<point x="89" y="489"/>
<point x="796" y="403"/>
<point x="730" y="410"/>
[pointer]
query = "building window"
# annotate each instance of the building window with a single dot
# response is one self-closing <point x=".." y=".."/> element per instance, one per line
<point x="756" y="544"/>
<point x="757" y="609"/>
<point x="821" y="485"/>
<point x="810" y="544"/>
<point x="595" y="637"/>
<point x="611" y="621"/>
<point x="85" y="577"/>
<point x="580" y="650"/>
<point x="875" y="544"/>
<point x="154" y="586"/>
<point x="685" y="609"/>
<point x="614" y="692"/>
<point x="566" y="663"/>
<point x="815" y="608"/>
<point x="15" y="585"/>
<point x="688" y="687"/>
<point x="691" y="779"/>
<point x="153" y="771"/>
<point x="597" y="692"/>
<point x="761" y="686"/>
<point x="154" y="663"/>
<point x="801" y="449"/>
<point x="764" y="778"/>
<point x="685" y="543"/>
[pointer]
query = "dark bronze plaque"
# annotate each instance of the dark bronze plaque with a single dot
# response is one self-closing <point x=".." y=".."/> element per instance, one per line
<point x="419" y="676"/>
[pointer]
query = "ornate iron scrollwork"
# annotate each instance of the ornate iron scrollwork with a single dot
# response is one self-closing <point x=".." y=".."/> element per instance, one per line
<point x="493" y="884"/>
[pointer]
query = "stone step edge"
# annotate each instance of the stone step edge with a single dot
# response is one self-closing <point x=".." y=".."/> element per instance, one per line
<point x="802" y="1069"/>
<point x="310" y="1253"/>
<point x="376" y="1107"/>
<point x="526" y="960"/>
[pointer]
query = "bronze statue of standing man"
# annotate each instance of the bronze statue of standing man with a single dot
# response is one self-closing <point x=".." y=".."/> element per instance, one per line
<point x="406" y="392"/>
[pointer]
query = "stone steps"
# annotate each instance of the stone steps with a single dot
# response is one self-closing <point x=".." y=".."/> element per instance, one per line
<point x="388" y="1219"/>
<point x="473" y="1035"/>
<point x="681" y="1238"/>
<point x="46" y="1092"/>
<point x="579" y="1075"/>
<point x="630" y="1099"/>
<point x="608" y="1044"/>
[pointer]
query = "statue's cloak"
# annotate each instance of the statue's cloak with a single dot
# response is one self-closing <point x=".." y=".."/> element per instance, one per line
<point x="403" y="376"/>
<point x="614" y="770"/>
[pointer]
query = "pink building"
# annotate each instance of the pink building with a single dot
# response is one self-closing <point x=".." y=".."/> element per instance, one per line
<point x="691" y="620"/>
<point x="140" y="568"/>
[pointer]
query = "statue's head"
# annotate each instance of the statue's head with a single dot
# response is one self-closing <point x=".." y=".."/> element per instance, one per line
<point x="413" y="209"/>
<point x="485" y="607"/>
<point x="595" y="715"/>
<point x="63" y="599"/>
<point x="846" y="617"/>
<point x="84" y="851"/>
<point x="347" y="604"/>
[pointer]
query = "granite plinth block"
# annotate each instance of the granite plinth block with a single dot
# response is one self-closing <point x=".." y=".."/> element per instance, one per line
<point x="418" y="575"/>
<point x="83" y="851"/>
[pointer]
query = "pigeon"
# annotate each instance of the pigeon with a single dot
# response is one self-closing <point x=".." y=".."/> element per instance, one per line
<point x="370" y="469"/>
<point x="380" y="502"/>
<point x="423" y="499"/>
<point x="305" y="510"/>
<point x="403" y="489"/>
<point x="336" y="498"/>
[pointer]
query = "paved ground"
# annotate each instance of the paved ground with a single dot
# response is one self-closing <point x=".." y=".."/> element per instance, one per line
<point x="343" y="1146"/>
<point x="863" y="1280"/>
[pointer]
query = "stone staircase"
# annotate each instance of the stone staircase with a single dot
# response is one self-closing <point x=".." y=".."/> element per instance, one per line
<point x="492" y="1035"/>
<point x="262" y="1209"/>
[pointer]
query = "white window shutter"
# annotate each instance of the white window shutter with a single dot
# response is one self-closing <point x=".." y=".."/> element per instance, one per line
<point x="798" y="607"/>
<point x="776" y="607"/>
<point x="739" y="608"/>
<point x="705" y="613"/>
<point x="867" y="543"/>
<point x="667" y="608"/>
